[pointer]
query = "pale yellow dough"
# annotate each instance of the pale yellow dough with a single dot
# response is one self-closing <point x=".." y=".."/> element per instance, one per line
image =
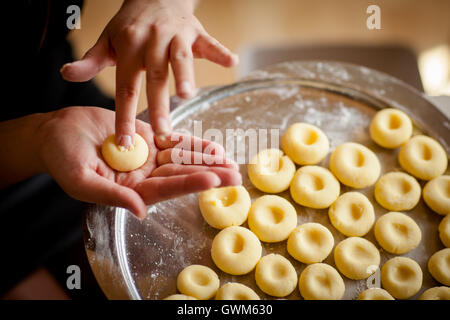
<point x="439" y="266"/>
<point x="236" y="250"/>
<point x="436" y="194"/>
<point x="272" y="218"/>
<point x="375" y="294"/>
<point x="270" y="171"/>
<point x="320" y="281"/>
<point x="390" y="128"/>
<point x="310" y="243"/>
<point x="225" y="207"/>
<point x="305" y="144"/>
<point x="436" y="293"/>
<point x="198" y="281"/>
<point x="314" y="187"/>
<point x="275" y="275"/>
<point x="236" y="291"/>
<point x="397" y="191"/>
<point x="444" y="231"/>
<point x="122" y="159"/>
<point x="423" y="157"/>
<point x="355" y="165"/>
<point x="397" y="233"/>
<point x="179" y="297"/>
<point x="401" y="277"/>
<point x="356" y="258"/>
<point x="352" y="214"/>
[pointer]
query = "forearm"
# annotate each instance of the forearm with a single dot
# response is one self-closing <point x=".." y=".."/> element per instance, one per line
<point x="20" y="147"/>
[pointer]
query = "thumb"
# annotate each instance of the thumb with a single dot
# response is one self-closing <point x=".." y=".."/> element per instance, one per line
<point x="94" y="61"/>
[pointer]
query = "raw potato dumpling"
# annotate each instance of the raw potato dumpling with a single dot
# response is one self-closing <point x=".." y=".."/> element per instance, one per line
<point x="397" y="233"/>
<point x="314" y="187"/>
<point x="355" y="165"/>
<point x="236" y="250"/>
<point x="225" y="207"/>
<point x="272" y="218"/>
<point x="270" y="171"/>
<point x="123" y="159"/>
<point x="198" y="281"/>
<point x="436" y="293"/>
<point x="401" y="277"/>
<point x="275" y="275"/>
<point x="444" y="231"/>
<point x="352" y="214"/>
<point x="356" y="258"/>
<point x="305" y="144"/>
<point x="310" y="243"/>
<point x="179" y="297"/>
<point x="397" y="191"/>
<point x="320" y="281"/>
<point x="436" y="194"/>
<point x="423" y="157"/>
<point x="375" y="294"/>
<point x="236" y="291"/>
<point x="439" y="266"/>
<point x="390" y="128"/>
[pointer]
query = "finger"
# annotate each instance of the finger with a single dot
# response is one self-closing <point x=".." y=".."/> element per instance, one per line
<point x="94" y="61"/>
<point x="181" y="59"/>
<point x="229" y="177"/>
<point x="156" y="61"/>
<point x="157" y="189"/>
<point x="209" y="48"/>
<point x="128" y="84"/>
<point x="179" y="156"/>
<point x="191" y="143"/>
<point x="98" y="189"/>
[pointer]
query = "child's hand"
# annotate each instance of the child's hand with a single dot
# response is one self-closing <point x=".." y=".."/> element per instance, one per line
<point x="147" y="35"/>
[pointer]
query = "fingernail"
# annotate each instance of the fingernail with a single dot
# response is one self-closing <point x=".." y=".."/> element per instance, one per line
<point x="64" y="66"/>
<point x="217" y="182"/>
<point x="125" y="141"/>
<point x="163" y="127"/>
<point x="186" y="88"/>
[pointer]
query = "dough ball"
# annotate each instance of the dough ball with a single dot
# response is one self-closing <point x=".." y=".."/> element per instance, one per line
<point x="198" y="281"/>
<point x="320" y="281"/>
<point x="436" y="194"/>
<point x="397" y="233"/>
<point x="352" y="214"/>
<point x="439" y="266"/>
<point x="314" y="187"/>
<point x="375" y="294"/>
<point x="436" y="293"/>
<point x="397" y="191"/>
<point x="423" y="157"/>
<point x="356" y="258"/>
<point x="236" y="291"/>
<point x="272" y="218"/>
<point x="390" y="128"/>
<point x="310" y="243"/>
<point x="305" y="144"/>
<point x="225" y="207"/>
<point x="444" y="231"/>
<point x="270" y="171"/>
<point x="236" y="250"/>
<point x="355" y="165"/>
<point x="275" y="275"/>
<point x="179" y="297"/>
<point x="401" y="277"/>
<point x="123" y="159"/>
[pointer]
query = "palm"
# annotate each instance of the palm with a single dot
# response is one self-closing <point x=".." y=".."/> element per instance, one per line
<point x="72" y="156"/>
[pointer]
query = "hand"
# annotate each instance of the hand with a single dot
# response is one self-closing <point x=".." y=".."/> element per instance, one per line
<point x="71" y="154"/>
<point x="147" y="35"/>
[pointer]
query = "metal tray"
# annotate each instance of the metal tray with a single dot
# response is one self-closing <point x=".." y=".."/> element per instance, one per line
<point x="141" y="260"/>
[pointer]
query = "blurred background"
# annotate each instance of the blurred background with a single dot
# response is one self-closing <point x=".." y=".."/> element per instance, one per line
<point x="413" y="43"/>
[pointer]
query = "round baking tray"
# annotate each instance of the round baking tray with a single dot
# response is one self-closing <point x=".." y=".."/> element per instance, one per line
<point x="141" y="260"/>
